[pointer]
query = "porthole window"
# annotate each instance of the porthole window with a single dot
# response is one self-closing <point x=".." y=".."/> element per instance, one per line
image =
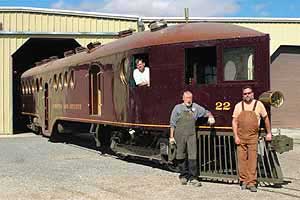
<point x="60" y="84"/>
<point x="124" y="75"/>
<point x="37" y="85"/>
<point x="26" y="87"/>
<point x="54" y="82"/>
<point x="32" y="86"/>
<point x="66" y="80"/>
<point x="71" y="80"/>
<point x="22" y="87"/>
<point x="29" y="87"/>
<point x="41" y="84"/>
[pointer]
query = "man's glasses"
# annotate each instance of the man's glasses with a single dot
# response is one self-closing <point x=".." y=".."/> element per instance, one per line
<point x="246" y="93"/>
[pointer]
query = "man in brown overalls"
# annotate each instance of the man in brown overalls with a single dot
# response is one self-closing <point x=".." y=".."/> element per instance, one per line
<point x="183" y="134"/>
<point x="245" y="125"/>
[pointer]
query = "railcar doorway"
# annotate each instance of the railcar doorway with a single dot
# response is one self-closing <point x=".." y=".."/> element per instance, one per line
<point x="32" y="51"/>
<point x="95" y="79"/>
<point x="46" y="103"/>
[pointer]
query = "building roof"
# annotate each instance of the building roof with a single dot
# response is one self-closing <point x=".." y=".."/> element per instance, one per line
<point x="69" y="12"/>
<point x="135" y="17"/>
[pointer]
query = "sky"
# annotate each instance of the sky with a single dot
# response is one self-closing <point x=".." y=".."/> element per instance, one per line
<point x="172" y="8"/>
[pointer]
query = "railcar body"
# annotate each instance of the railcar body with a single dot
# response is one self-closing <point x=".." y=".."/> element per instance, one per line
<point x="212" y="60"/>
<point x="95" y="86"/>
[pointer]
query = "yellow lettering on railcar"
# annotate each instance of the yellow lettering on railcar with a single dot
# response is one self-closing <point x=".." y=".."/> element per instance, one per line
<point x="57" y="106"/>
<point x="75" y="106"/>
<point x="67" y="106"/>
<point x="222" y="105"/>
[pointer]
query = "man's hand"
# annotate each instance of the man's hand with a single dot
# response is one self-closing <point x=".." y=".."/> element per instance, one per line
<point x="269" y="137"/>
<point x="172" y="140"/>
<point x="211" y="120"/>
<point x="237" y="140"/>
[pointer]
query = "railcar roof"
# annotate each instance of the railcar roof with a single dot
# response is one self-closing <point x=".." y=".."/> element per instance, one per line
<point x="173" y="34"/>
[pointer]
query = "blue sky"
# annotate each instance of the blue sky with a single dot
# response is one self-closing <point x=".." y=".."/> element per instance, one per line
<point x="172" y="8"/>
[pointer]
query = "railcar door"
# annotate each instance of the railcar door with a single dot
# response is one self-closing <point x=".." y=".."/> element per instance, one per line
<point x="95" y="90"/>
<point x="100" y="92"/>
<point x="46" y="103"/>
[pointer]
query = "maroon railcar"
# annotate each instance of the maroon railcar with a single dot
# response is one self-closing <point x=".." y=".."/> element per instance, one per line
<point x="95" y="86"/>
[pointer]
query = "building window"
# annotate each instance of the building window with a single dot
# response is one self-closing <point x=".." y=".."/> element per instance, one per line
<point x="238" y="64"/>
<point x="200" y="65"/>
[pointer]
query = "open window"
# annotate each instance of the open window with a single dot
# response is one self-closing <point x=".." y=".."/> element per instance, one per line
<point x="200" y="65"/>
<point x="238" y="63"/>
<point x="141" y="70"/>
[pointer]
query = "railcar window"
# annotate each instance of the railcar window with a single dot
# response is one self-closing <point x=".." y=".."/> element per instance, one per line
<point x="41" y="84"/>
<point x="200" y="65"/>
<point x="29" y="87"/>
<point x="238" y="63"/>
<point x="124" y="71"/>
<point x="22" y="87"/>
<point x="66" y="80"/>
<point x="60" y="84"/>
<point x="55" y="82"/>
<point x="32" y="87"/>
<point x="37" y="85"/>
<point x="71" y="80"/>
<point x="26" y="87"/>
<point x="141" y="70"/>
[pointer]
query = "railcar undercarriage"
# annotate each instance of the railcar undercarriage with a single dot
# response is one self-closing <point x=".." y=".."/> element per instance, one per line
<point x="216" y="150"/>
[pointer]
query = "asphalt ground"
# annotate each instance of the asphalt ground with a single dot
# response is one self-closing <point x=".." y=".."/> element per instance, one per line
<point x="32" y="167"/>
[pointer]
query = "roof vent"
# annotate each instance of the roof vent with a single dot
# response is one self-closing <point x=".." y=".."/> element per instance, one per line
<point x="38" y="63"/>
<point x="126" y="32"/>
<point x="68" y="53"/>
<point x="45" y="60"/>
<point x="80" y="49"/>
<point x="53" y="58"/>
<point x="93" y="45"/>
<point x="157" y="25"/>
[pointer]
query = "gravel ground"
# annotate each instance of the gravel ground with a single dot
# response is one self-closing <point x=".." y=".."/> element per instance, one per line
<point x="31" y="167"/>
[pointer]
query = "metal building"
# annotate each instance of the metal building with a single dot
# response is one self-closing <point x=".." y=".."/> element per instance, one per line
<point x="28" y="35"/>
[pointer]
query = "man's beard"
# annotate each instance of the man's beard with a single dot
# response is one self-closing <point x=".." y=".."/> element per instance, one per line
<point x="188" y="104"/>
<point x="247" y="99"/>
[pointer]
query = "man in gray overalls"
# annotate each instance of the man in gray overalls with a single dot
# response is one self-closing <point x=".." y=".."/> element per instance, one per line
<point x="183" y="134"/>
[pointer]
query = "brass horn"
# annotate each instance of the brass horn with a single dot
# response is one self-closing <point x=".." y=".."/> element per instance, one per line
<point x="273" y="98"/>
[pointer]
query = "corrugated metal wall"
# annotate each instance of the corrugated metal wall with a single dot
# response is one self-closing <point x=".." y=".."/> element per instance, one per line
<point x="280" y="33"/>
<point x="285" y="78"/>
<point x="35" y="22"/>
<point x="8" y="45"/>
